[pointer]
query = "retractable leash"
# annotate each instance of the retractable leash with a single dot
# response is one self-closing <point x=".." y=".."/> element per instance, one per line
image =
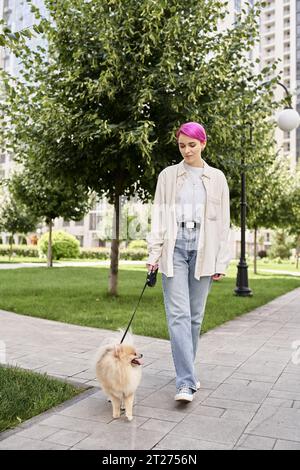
<point x="150" y="281"/>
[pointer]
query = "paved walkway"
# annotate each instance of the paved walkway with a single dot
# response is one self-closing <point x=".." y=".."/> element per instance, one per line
<point x="249" y="399"/>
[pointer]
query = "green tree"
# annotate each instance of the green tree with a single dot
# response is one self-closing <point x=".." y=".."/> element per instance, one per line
<point x="267" y="198"/>
<point x="16" y="218"/>
<point x="291" y="212"/>
<point x="48" y="200"/>
<point x="281" y="246"/>
<point x="118" y="77"/>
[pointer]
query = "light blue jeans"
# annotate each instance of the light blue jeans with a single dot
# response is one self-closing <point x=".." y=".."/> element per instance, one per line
<point x="185" y="299"/>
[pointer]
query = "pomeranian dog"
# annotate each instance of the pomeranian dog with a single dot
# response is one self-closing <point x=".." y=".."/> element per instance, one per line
<point x="119" y="371"/>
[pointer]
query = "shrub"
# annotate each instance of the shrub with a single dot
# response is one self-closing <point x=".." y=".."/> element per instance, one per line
<point x="20" y="250"/>
<point x="134" y="255"/>
<point x="101" y="253"/>
<point x="136" y="244"/>
<point x="262" y="254"/>
<point x="64" y="245"/>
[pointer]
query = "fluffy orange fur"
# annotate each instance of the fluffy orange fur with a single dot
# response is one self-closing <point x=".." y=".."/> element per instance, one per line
<point x="118" y="370"/>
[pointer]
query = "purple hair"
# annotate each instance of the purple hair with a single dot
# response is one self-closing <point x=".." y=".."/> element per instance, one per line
<point x="192" y="129"/>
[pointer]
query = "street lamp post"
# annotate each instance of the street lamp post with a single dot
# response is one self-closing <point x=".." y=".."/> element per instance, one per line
<point x="242" y="288"/>
<point x="287" y="120"/>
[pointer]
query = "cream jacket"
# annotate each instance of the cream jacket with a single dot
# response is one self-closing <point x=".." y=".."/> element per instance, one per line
<point x="213" y="247"/>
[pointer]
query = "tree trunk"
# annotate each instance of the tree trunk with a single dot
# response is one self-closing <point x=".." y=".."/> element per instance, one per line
<point x="255" y="250"/>
<point x="10" y="246"/>
<point x="114" y="253"/>
<point x="297" y="252"/>
<point x="49" y="254"/>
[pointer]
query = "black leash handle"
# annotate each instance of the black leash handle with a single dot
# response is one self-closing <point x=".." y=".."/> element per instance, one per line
<point x="150" y="281"/>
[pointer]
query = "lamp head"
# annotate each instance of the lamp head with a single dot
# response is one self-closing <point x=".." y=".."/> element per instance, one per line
<point x="288" y="119"/>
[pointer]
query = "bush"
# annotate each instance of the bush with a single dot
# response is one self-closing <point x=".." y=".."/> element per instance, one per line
<point x="101" y="253"/>
<point x="134" y="255"/>
<point x="262" y="254"/>
<point x="104" y="254"/>
<point x="64" y="245"/>
<point x="136" y="244"/>
<point x="20" y="250"/>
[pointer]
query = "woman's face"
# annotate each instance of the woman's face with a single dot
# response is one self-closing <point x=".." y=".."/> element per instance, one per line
<point x="190" y="149"/>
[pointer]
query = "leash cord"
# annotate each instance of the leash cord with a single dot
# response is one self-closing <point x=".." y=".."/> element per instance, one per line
<point x="146" y="283"/>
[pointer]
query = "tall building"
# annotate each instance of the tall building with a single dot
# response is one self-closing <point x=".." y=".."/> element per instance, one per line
<point x="297" y="27"/>
<point x="278" y="41"/>
<point x="17" y="16"/>
<point x="278" y="33"/>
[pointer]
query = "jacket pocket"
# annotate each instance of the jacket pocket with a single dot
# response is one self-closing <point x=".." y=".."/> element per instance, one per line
<point x="213" y="208"/>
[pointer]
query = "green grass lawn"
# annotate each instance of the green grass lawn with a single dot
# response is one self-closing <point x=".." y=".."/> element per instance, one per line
<point x="79" y="295"/>
<point x="284" y="266"/>
<point x="26" y="394"/>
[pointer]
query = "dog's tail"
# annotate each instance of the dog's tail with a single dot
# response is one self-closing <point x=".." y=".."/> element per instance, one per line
<point x="109" y="344"/>
<point x="101" y="353"/>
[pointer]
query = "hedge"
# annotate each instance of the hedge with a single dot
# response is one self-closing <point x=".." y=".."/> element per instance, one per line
<point x="85" y="253"/>
<point x="20" y="250"/>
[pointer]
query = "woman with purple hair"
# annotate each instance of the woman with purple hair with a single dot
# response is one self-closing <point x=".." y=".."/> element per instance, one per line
<point x="188" y="242"/>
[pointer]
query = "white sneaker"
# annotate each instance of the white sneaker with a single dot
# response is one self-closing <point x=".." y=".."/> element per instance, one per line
<point x="184" y="394"/>
<point x="198" y="385"/>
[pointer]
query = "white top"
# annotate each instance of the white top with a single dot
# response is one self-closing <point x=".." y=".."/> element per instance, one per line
<point x="191" y="199"/>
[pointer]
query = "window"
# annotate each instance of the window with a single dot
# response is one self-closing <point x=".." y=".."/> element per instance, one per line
<point x="237" y="5"/>
<point x="66" y="223"/>
<point x="79" y="222"/>
<point x="92" y="222"/>
<point x="7" y="16"/>
<point x="80" y="239"/>
<point x="2" y="158"/>
<point x="6" y="62"/>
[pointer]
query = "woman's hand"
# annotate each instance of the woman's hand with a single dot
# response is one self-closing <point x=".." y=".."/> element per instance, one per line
<point x="217" y="276"/>
<point x="152" y="267"/>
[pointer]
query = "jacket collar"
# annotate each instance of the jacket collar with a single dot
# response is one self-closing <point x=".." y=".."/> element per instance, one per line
<point x="206" y="169"/>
